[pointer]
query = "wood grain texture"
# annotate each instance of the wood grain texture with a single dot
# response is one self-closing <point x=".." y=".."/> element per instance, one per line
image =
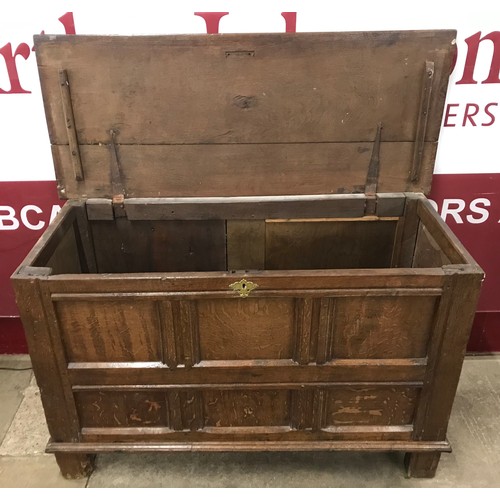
<point x="241" y="169"/>
<point x="65" y="258"/>
<point x="371" y="406"/>
<point x="84" y="241"/>
<point x="342" y="371"/>
<point x="302" y="323"/>
<point x="246" y="408"/>
<point x="279" y="95"/>
<point x="52" y="236"/>
<point x="450" y="337"/>
<point x="168" y="331"/>
<point x="246" y="245"/>
<point x="75" y="465"/>
<point x="329" y="245"/>
<point x="240" y="210"/>
<point x="251" y="446"/>
<point x="422" y="464"/>
<point x="60" y="412"/>
<point x="109" y="331"/>
<point x="325" y="330"/>
<point x="192" y="409"/>
<point x="427" y="252"/>
<point x="188" y="246"/>
<point x="313" y="281"/>
<point x="301" y="407"/>
<point x="442" y="234"/>
<point x="99" y="209"/>
<point x="408" y="238"/>
<point x="255" y="433"/>
<point x="246" y="328"/>
<point x="186" y="324"/>
<point x="382" y="327"/>
<point x="126" y="409"/>
<point x="162" y="246"/>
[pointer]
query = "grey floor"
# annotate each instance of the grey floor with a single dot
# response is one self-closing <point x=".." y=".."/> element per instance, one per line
<point x="474" y="433"/>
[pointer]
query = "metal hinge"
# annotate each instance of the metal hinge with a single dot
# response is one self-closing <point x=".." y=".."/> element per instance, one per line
<point x="116" y="177"/>
<point x="372" y="176"/>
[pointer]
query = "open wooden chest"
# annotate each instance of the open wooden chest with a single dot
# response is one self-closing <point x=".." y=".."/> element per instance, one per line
<point x="247" y="260"/>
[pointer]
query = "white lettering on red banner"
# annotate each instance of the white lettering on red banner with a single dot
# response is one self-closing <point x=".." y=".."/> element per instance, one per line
<point x="30" y="216"/>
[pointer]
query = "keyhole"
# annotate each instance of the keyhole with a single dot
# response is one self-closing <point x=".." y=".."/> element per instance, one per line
<point x="243" y="286"/>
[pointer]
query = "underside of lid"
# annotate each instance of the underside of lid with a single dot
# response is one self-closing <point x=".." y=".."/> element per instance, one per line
<point x="244" y="115"/>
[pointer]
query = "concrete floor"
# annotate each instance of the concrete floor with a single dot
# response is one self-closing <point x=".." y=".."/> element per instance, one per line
<point x="474" y="433"/>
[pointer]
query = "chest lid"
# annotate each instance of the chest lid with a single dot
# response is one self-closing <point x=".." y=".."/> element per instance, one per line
<point x="246" y="114"/>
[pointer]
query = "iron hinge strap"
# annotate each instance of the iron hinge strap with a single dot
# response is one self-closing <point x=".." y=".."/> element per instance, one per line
<point x="373" y="174"/>
<point x="117" y="189"/>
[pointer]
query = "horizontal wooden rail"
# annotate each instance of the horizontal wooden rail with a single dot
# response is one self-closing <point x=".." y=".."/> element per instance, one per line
<point x="376" y="446"/>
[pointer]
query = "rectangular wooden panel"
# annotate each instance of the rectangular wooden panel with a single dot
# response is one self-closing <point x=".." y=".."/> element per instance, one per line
<point x="121" y="409"/>
<point x="383" y="327"/>
<point x="371" y="406"/>
<point x="246" y="244"/>
<point x="121" y="330"/>
<point x="427" y="251"/>
<point x="329" y="244"/>
<point x="66" y="256"/>
<point x="159" y="246"/>
<point x="246" y="328"/>
<point x="235" y="408"/>
<point x="189" y="246"/>
<point x="122" y="246"/>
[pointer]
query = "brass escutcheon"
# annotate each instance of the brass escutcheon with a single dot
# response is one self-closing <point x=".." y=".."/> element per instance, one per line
<point x="243" y="287"/>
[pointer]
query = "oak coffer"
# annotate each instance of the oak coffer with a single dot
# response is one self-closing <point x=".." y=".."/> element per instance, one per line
<point x="247" y="259"/>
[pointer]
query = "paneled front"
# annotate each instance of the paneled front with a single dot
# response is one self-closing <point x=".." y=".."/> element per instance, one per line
<point x="181" y="333"/>
<point x="237" y="410"/>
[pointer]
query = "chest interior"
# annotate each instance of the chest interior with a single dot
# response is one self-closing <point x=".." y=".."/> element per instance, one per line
<point x="290" y="239"/>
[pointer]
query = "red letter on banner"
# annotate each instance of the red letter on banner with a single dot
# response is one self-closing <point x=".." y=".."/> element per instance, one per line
<point x="470" y="61"/>
<point x="212" y="20"/>
<point x="22" y="50"/>
<point x="290" y="21"/>
<point x="68" y="21"/>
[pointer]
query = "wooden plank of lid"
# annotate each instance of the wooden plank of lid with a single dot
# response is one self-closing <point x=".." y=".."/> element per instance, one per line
<point x="247" y="89"/>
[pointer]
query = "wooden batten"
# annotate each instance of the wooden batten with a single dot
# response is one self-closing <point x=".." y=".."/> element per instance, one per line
<point x="69" y="118"/>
